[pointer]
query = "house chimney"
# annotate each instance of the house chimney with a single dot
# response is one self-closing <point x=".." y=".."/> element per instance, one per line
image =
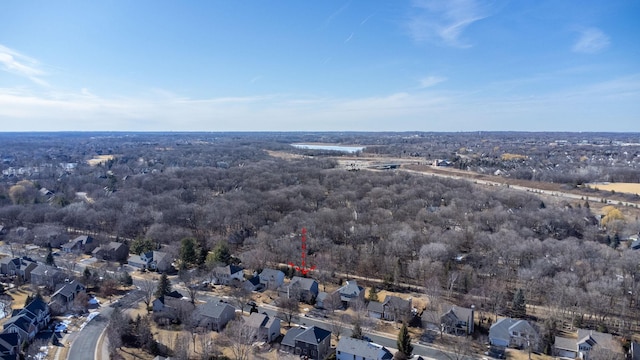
<point x="472" y="322"/>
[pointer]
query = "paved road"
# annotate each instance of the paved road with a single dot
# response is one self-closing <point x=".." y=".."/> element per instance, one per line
<point x="84" y="345"/>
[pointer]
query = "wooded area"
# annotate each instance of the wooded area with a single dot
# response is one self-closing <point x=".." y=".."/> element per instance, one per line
<point x="451" y="237"/>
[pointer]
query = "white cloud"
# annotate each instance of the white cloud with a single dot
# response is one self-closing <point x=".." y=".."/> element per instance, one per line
<point x="444" y="21"/>
<point x="22" y="65"/>
<point x="604" y="106"/>
<point x="591" y="41"/>
<point x="430" y="81"/>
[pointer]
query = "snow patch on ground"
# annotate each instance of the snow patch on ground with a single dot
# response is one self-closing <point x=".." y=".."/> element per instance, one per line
<point x="62" y="326"/>
<point x="89" y="318"/>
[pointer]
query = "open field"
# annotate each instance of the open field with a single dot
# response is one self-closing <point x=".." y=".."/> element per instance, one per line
<point x="100" y="159"/>
<point x="630" y="188"/>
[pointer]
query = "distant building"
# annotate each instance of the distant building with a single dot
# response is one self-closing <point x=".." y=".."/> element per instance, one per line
<point x="152" y="260"/>
<point x="113" y="251"/>
<point x="83" y="243"/>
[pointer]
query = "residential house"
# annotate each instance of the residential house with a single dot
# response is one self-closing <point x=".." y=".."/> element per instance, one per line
<point x="508" y="332"/>
<point x="634" y="351"/>
<point x="225" y="275"/>
<point x="356" y="349"/>
<point x="152" y="260"/>
<point x="312" y="343"/>
<point x="9" y="345"/>
<point x="26" y="322"/>
<point x="65" y="295"/>
<point x="15" y="266"/>
<point x="271" y="279"/>
<point x="581" y="346"/>
<point x="45" y="275"/>
<point x="457" y="320"/>
<point x="350" y="293"/>
<point x="303" y="289"/>
<point x="321" y="300"/>
<point x="82" y="243"/>
<point x="113" y="251"/>
<point x="288" y="342"/>
<point x="214" y="315"/>
<point x="252" y="284"/>
<point x="264" y="327"/>
<point x="393" y="308"/>
<point x="171" y="307"/>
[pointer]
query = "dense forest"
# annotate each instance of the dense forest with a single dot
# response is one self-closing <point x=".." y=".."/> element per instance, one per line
<point x="452" y="237"/>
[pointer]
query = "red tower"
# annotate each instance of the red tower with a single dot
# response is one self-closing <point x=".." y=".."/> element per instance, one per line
<point x="303" y="269"/>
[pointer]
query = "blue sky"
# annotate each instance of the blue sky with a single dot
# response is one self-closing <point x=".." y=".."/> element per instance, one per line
<point x="451" y="65"/>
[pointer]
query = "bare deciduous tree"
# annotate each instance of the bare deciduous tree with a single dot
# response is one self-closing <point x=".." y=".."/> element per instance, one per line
<point x="240" y="339"/>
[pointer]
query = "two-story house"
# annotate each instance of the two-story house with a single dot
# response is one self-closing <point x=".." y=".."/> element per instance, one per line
<point x="83" y="243"/>
<point x="45" y="275"/>
<point x="350" y="293"/>
<point x="458" y="320"/>
<point x="225" y="275"/>
<point x="113" y="251"/>
<point x="27" y="322"/>
<point x="312" y="343"/>
<point x="265" y="327"/>
<point x="584" y="343"/>
<point x="271" y="279"/>
<point x="508" y="332"/>
<point x="64" y="296"/>
<point x="302" y="289"/>
<point x="16" y="266"/>
<point x="152" y="260"/>
<point x="393" y="308"/>
<point x="214" y="315"/>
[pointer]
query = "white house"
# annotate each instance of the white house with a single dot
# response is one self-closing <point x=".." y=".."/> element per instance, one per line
<point x="584" y="343"/>
<point x="226" y="274"/>
<point x="356" y="349"/>
<point x="512" y="332"/>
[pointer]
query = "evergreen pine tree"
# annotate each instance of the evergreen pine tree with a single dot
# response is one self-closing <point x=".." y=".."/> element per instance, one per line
<point x="518" y="304"/>
<point x="373" y="294"/>
<point x="221" y="254"/>
<point x="615" y="242"/>
<point x="126" y="279"/>
<point x="164" y="286"/>
<point x="188" y="253"/>
<point x="404" y="342"/>
<point x="357" y="331"/>
<point x="50" y="259"/>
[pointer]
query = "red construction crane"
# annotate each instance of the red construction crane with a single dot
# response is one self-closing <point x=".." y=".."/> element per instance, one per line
<point x="303" y="269"/>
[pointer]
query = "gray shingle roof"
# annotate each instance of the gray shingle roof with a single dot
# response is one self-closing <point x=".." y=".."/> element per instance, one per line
<point x="213" y="309"/>
<point x="256" y="320"/>
<point x="302" y="283"/>
<point x="363" y="348"/>
<point x="289" y="338"/>
<point x="313" y="335"/>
